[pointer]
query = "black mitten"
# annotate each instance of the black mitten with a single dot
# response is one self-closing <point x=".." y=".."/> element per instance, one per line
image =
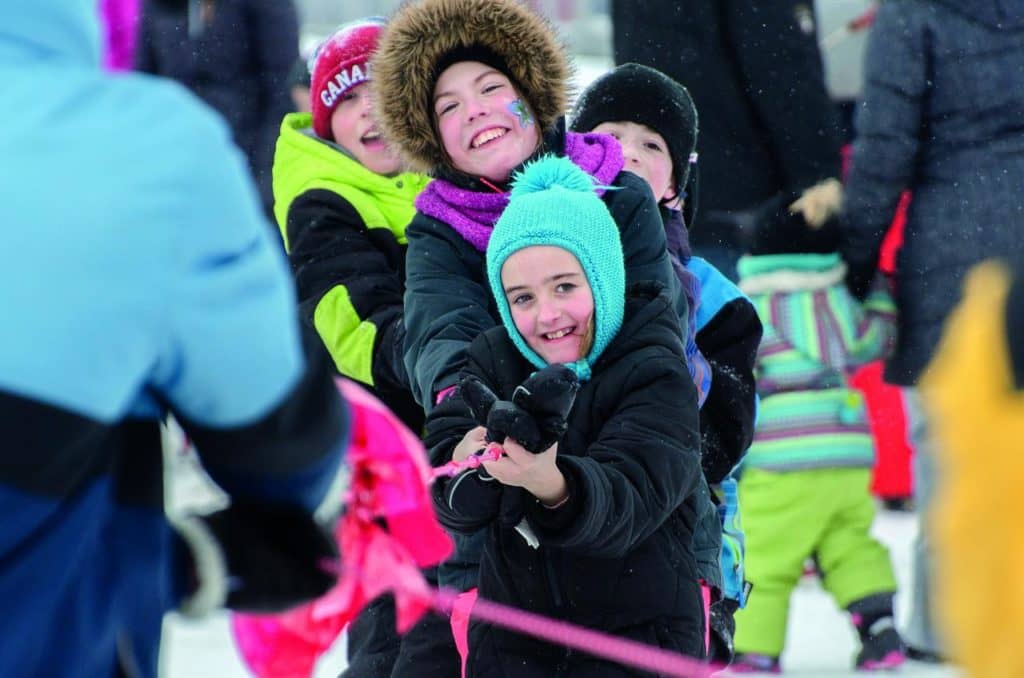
<point x="256" y="557"/>
<point x="478" y="397"/>
<point x="502" y="418"/>
<point x="508" y="420"/>
<point x="548" y="395"/>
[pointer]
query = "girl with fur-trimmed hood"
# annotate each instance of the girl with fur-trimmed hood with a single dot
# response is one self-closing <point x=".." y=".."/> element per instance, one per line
<point x="468" y="90"/>
<point x="343" y="202"/>
<point x="592" y="521"/>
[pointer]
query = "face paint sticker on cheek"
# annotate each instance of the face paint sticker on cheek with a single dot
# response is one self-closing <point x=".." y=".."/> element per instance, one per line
<point x="519" y="109"/>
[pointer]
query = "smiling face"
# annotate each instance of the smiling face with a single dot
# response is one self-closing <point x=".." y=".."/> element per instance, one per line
<point x="355" y="130"/>
<point x="646" y="155"/>
<point x="486" y="128"/>
<point x="551" y="302"/>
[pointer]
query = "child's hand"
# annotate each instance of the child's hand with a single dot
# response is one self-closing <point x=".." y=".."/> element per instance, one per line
<point x="819" y="202"/>
<point x="536" y="473"/>
<point x="470" y="444"/>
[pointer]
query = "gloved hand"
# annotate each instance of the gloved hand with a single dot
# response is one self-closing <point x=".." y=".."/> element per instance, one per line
<point x="536" y="415"/>
<point x="820" y="202"/>
<point x="255" y="557"/>
<point x="548" y="395"/>
<point x="501" y="418"/>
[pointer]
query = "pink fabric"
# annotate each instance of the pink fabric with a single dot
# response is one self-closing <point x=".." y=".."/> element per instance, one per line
<point x="120" y="20"/>
<point x="389" y="480"/>
<point x="705" y="594"/>
<point x="461" y="609"/>
<point x="443" y="395"/>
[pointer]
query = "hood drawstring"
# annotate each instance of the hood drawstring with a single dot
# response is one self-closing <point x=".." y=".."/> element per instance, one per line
<point x="491" y="186"/>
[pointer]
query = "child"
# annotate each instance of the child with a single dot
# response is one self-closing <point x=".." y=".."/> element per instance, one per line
<point x="596" y="528"/>
<point x="469" y="90"/>
<point x="343" y="202"/>
<point x="658" y="138"/>
<point x="804" y="483"/>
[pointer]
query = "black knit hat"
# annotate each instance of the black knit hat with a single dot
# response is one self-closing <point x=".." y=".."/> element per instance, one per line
<point x="643" y="95"/>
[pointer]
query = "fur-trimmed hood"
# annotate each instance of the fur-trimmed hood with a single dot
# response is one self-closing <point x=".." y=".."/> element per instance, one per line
<point x="422" y="32"/>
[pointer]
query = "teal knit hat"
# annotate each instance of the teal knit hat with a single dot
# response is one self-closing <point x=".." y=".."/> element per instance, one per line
<point x="553" y="202"/>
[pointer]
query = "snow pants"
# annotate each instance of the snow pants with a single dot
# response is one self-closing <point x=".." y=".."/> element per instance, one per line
<point x="791" y="516"/>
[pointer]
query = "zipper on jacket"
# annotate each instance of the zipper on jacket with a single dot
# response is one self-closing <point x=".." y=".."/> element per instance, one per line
<point x="555" y="591"/>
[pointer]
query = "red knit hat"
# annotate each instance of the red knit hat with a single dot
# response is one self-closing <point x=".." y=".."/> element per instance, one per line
<point x="340" y="63"/>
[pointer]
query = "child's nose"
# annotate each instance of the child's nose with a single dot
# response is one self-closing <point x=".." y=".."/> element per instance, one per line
<point x="548" y="314"/>
<point x="474" y="109"/>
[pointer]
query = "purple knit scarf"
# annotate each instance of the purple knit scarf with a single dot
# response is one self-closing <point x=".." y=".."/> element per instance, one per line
<point x="473" y="213"/>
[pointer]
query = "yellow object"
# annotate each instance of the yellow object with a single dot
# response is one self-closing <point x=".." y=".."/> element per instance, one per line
<point x="978" y="419"/>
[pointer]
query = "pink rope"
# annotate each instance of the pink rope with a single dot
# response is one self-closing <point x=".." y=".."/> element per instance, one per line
<point x="621" y="650"/>
<point x="604" y="645"/>
<point x="454" y="468"/>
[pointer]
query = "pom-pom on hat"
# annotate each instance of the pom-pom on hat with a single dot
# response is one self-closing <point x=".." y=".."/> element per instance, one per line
<point x="340" y="63"/>
<point x="553" y="202"/>
<point x="646" y="96"/>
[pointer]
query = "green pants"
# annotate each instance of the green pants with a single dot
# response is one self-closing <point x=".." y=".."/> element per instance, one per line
<point x="791" y="516"/>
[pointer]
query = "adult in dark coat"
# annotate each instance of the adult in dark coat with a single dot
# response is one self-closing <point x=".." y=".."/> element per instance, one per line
<point x="236" y="56"/>
<point x="755" y="74"/>
<point x="616" y="556"/>
<point x="942" y="116"/>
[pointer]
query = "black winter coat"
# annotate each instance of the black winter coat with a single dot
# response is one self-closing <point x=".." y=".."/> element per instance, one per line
<point x="618" y="555"/>
<point x="448" y="301"/>
<point x="237" y="62"/>
<point x="331" y="245"/>
<point x="755" y="75"/>
<point x="943" y="116"/>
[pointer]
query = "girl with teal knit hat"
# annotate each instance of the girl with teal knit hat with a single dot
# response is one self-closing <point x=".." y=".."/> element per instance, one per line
<point x="596" y="527"/>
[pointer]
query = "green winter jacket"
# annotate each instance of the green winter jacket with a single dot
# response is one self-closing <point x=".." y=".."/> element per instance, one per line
<point x="344" y="230"/>
<point x="815" y="332"/>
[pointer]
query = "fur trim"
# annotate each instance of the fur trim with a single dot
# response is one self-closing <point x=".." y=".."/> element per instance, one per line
<point x="789" y="280"/>
<point x="422" y="32"/>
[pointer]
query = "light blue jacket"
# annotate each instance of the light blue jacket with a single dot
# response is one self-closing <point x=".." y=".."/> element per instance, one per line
<point x="137" y="276"/>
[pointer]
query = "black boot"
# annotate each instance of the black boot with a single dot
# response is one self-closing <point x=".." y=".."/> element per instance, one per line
<point x="722" y="628"/>
<point x="881" y="645"/>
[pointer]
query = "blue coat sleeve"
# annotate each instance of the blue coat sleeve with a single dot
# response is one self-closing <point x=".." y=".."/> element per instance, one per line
<point x="728" y="335"/>
<point x="257" y="400"/>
